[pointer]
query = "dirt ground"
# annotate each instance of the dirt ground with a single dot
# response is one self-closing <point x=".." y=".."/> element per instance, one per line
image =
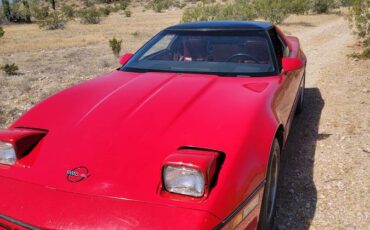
<point x="325" y="181"/>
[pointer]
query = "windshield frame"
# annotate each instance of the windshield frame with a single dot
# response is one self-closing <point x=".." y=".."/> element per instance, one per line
<point x="163" y="33"/>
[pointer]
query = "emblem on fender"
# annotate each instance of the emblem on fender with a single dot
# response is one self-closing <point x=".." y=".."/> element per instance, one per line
<point x="77" y="174"/>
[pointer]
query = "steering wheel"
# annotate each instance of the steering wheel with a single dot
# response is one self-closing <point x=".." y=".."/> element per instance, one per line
<point x="242" y="55"/>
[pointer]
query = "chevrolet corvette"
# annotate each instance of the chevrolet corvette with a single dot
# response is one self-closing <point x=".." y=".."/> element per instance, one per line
<point x="187" y="134"/>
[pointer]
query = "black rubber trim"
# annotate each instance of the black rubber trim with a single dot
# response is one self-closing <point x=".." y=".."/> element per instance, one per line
<point x="240" y="207"/>
<point x="19" y="223"/>
<point x="218" y="29"/>
<point x="30" y="128"/>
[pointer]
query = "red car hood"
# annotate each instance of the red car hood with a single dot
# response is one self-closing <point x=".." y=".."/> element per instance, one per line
<point x="123" y="125"/>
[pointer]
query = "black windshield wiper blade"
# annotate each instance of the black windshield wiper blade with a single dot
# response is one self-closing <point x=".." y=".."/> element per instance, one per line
<point x="227" y="75"/>
<point x="137" y="70"/>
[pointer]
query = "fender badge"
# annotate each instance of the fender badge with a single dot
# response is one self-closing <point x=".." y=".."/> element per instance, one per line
<point x="77" y="174"/>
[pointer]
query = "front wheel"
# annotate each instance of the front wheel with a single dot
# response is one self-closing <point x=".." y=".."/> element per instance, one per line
<point x="269" y="196"/>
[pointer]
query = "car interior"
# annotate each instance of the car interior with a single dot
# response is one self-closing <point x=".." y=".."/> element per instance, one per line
<point x="215" y="49"/>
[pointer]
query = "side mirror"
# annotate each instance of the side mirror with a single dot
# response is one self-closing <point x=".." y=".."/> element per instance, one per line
<point x="290" y="64"/>
<point x="125" y="58"/>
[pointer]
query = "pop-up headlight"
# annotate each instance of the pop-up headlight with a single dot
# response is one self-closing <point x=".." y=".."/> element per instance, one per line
<point x="183" y="180"/>
<point x="189" y="172"/>
<point x="7" y="153"/>
<point x="15" y="143"/>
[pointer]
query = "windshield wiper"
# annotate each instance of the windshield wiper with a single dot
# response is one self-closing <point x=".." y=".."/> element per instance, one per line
<point x="137" y="70"/>
<point x="231" y="75"/>
<point x="226" y="75"/>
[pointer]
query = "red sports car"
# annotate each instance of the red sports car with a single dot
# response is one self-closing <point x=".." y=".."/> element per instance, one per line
<point x="187" y="134"/>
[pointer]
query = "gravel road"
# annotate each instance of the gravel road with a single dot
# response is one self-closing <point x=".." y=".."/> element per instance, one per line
<point x="325" y="174"/>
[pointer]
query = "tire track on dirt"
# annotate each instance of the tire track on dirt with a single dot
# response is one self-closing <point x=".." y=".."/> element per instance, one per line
<point x="322" y="184"/>
<point x="325" y="46"/>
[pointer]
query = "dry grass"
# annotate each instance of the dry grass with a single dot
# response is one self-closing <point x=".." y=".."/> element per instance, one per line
<point x="26" y="38"/>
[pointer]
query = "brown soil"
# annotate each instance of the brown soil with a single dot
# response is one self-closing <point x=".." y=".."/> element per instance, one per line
<point x="325" y="181"/>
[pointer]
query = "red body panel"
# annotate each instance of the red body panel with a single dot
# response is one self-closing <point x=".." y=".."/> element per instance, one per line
<point x="122" y="126"/>
<point x="53" y="209"/>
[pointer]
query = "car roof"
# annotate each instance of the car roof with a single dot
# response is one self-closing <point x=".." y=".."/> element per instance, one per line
<point x="221" y="25"/>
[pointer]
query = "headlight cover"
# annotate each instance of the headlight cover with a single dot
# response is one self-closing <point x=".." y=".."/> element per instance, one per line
<point x="16" y="143"/>
<point x="7" y="153"/>
<point x="184" y="180"/>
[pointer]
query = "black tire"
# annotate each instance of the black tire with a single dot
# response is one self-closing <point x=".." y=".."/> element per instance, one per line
<point x="300" y="104"/>
<point x="268" y="208"/>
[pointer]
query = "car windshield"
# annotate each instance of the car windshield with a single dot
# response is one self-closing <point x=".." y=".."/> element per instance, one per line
<point x="208" y="52"/>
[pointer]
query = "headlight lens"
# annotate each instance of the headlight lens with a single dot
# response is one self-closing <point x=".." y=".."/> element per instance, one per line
<point x="183" y="180"/>
<point x="7" y="153"/>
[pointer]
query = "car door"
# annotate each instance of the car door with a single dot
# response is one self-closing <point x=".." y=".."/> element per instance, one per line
<point x="290" y="81"/>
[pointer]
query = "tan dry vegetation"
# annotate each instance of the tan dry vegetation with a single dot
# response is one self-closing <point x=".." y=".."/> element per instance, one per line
<point x="325" y="179"/>
<point x="24" y="38"/>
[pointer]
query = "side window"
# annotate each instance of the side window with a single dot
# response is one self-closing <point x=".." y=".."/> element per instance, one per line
<point x="286" y="51"/>
<point x="279" y="46"/>
<point x="160" y="45"/>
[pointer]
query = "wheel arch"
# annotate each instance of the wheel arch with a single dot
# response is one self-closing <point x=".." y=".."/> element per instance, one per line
<point x="279" y="135"/>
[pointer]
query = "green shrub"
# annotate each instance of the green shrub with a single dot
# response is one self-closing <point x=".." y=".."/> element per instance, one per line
<point x="366" y="52"/>
<point x="54" y="21"/>
<point x="90" y="15"/>
<point x="239" y="10"/>
<point x="160" y="5"/>
<point x="179" y="4"/>
<point x="201" y="12"/>
<point x="2" y="32"/>
<point x="68" y="11"/>
<point x="39" y="12"/>
<point x="115" y="8"/>
<point x="345" y="2"/>
<point x="128" y="13"/>
<point x="322" y="6"/>
<point x="6" y="10"/>
<point x="10" y="69"/>
<point x="207" y="1"/>
<point x="298" y="6"/>
<point x="20" y="12"/>
<point x="2" y="16"/>
<point x="115" y="45"/>
<point x="105" y="11"/>
<point x="122" y="4"/>
<point x="360" y="19"/>
<point x="89" y="3"/>
<point x="274" y="11"/>
<point x="135" y="34"/>
<point x="106" y="1"/>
